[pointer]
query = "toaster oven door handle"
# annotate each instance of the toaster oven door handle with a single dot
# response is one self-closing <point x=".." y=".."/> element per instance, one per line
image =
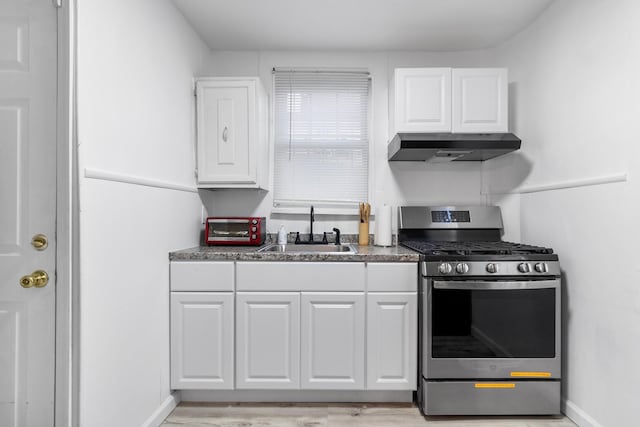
<point x="496" y="285"/>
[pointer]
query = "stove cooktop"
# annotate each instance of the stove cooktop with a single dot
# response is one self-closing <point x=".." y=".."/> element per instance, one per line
<point x="475" y="248"/>
<point x="492" y="250"/>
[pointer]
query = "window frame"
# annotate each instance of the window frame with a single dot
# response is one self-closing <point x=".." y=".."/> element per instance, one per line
<point x="322" y="207"/>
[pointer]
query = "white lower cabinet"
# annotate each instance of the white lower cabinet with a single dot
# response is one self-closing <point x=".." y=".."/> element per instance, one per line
<point x="279" y="325"/>
<point x="332" y="337"/>
<point x="267" y="340"/>
<point x="392" y="338"/>
<point x="202" y="340"/>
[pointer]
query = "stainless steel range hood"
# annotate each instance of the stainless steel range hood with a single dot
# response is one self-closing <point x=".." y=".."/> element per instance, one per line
<point x="447" y="147"/>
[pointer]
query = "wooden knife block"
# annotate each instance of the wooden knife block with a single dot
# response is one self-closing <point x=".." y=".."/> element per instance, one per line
<point x="363" y="234"/>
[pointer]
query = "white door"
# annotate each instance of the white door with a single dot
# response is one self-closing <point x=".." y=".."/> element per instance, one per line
<point x="332" y="337"/>
<point x="268" y="340"/>
<point x="392" y="340"/>
<point x="28" y="84"/>
<point x="480" y="100"/>
<point x="202" y="340"/>
<point x="422" y="100"/>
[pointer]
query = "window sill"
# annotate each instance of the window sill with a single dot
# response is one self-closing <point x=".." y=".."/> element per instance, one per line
<point x="299" y="210"/>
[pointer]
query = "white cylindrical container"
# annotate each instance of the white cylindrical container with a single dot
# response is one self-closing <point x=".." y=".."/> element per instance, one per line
<point x="383" y="226"/>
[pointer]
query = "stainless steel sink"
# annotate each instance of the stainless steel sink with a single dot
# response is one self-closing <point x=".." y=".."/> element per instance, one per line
<point x="311" y="249"/>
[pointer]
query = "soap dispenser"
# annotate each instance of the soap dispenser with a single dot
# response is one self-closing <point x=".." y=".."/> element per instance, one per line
<point x="282" y="236"/>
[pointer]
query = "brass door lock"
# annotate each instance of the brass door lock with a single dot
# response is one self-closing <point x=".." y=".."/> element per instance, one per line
<point x="39" y="242"/>
<point x="37" y="279"/>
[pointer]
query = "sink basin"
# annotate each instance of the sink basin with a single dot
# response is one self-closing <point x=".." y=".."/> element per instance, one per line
<point x="310" y="249"/>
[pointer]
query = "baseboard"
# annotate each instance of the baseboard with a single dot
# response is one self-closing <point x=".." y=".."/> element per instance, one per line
<point x="163" y="411"/>
<point x="295" y="396"/>
<point x="577" y="415"/>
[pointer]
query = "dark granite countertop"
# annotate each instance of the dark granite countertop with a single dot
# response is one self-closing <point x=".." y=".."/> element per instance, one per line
<point x="244" y="253"/>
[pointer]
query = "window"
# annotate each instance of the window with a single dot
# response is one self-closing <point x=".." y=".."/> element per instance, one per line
<point x="321" y="138"/>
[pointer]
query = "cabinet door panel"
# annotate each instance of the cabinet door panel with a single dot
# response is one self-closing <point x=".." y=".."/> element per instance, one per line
<point x="332" y="339"/>
<point x="480" y="100"/>
<point x="268" y="340"/>
<point x="202" y="340"/>
<point x="392" y="340"/>
<point x="423" y="100"/>
<point x="226" y="117"/>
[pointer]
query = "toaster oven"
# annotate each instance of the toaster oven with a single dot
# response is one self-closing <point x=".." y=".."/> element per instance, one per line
<point x="235" y="230"/>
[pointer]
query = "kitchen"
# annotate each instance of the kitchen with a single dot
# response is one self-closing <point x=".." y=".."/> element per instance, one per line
<point x="571" y="73"/>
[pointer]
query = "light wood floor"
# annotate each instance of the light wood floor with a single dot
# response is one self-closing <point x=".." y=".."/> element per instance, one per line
<point x="335" y="415"/>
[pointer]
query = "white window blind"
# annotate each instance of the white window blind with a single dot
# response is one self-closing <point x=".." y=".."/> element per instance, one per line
<point x="321" y="137"/>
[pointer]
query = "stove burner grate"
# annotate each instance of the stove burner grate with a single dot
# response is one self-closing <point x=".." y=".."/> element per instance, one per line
<point x="474" y="248"/>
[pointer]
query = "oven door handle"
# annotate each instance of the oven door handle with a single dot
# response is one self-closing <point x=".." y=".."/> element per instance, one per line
<point x="496" y="285"/>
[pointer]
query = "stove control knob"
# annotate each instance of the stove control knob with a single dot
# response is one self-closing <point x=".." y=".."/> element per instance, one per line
<point x="492" y="268"/>
<point x="462" y="268"/>
<point x="541" y="267"/>
<point x="445" y="268"/>
<point x="524" y="267"/>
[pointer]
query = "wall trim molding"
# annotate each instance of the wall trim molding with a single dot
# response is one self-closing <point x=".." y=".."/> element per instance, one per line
<point x="563" y="185"/>
<point x="578" y="415"/>
<point x="136" y="180"/>
<point x="297" y="396"/>
<point x="163" y="411"/>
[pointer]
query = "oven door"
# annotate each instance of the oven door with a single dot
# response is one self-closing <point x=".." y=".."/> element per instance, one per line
<point x="228" y="230"/>
<point x="491" y="329"/>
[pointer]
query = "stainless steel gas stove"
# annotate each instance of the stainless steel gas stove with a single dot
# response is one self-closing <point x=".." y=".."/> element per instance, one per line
<point x="489" y="315"/>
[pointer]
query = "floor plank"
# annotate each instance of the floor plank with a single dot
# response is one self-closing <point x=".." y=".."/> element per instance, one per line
<point x="335" y="415"/>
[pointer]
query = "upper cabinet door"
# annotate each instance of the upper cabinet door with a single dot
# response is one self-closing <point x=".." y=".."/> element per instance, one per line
<point x="480" y="100"/>
<point x="422" y="100"/>
<point x="231" y="134"/>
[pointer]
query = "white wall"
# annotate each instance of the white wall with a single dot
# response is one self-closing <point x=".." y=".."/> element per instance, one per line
<point x="394" y="183"/>
<point x="575" y="102"/>
<point x="136" y="61"/>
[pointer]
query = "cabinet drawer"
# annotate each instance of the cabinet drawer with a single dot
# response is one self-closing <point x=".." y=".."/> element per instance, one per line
<point x="491" y="397"/>
<point x="202" y="276"/>
<point x="300" y="276"/>
<point x="392" y="277"/>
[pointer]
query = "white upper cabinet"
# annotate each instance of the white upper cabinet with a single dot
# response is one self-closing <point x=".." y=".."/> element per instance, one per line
<point x="422" y="100"/>
<point x="459" y="100"/>
<point x="232" y="146"/>
<point x="480" y="100"/>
